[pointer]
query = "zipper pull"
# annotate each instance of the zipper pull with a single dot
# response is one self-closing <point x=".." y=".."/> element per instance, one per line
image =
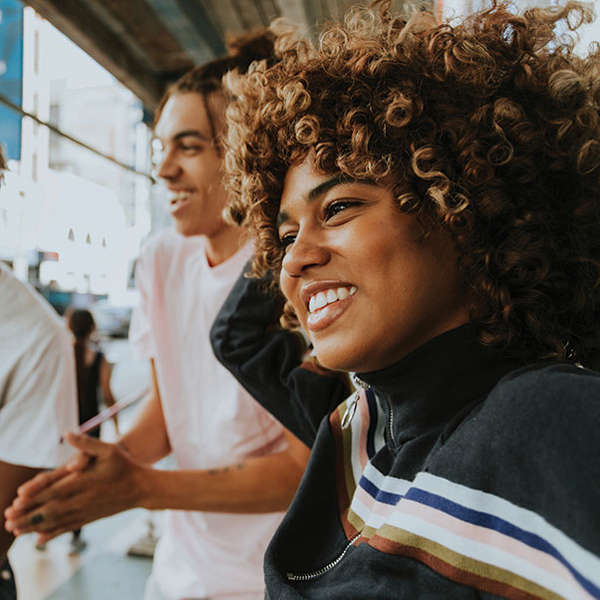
<point x="351" y="408"/>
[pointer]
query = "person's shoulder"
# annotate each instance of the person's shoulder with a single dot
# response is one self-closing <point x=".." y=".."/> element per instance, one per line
<point x="24" y="307"/>
<point x="160" y="244"/>
<point x="537" y="426"/>
<point x="554" y="388"/>
<point x="548" y="405"/>
<point x="159" y="255"/>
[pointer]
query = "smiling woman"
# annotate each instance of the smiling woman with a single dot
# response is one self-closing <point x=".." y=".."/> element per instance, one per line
<point x="487" y="130"/>
<point x="427" y="199"/>
<point x="350" y="235"/>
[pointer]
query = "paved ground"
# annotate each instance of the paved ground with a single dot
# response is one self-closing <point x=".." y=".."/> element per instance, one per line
<point x="103" y="571"/>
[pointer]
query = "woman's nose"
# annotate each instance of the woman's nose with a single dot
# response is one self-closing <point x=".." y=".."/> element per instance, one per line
<point x="306" y="252"/>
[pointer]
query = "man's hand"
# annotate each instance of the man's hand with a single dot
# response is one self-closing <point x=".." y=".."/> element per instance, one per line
<point x="101" y="481"/>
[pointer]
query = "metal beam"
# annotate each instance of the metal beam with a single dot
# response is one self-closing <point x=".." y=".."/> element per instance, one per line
<point x="75" y="19"/>
<point x="61" y="133"/>
<point x="189" y="24"/>
<point x="201" y="21"/>
<point x="142" y="30"/>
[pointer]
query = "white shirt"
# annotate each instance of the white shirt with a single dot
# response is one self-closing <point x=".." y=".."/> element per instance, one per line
<point x="38" y="390"/>
<point x="211" y="420"/>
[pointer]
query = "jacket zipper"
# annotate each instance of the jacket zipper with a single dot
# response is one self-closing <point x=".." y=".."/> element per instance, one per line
<point x="390" y="423"/>
<point x="314" y="574"/>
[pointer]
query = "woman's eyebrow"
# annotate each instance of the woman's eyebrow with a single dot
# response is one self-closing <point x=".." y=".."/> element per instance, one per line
<point x="323" y="188"/>
<point x="326" y="185"/>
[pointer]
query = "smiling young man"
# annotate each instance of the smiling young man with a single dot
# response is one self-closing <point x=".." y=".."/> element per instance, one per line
<point x="236" y="467"/>
<point x="427" y="198"/>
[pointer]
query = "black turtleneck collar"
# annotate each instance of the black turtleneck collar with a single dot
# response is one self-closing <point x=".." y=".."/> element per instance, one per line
<point x="438" y="379"/>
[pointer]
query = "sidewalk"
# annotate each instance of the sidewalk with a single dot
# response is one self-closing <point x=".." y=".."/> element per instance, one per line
<point x="103" y="571"/>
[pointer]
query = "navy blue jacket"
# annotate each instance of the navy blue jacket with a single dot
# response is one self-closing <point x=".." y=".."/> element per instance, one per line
<point x="455" y="473"/>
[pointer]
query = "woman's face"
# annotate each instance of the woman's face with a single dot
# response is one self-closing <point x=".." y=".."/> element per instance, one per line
<point x="366" y="285"/>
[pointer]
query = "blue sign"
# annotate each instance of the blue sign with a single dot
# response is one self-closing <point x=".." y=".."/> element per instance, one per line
<point x="11" y="74"/>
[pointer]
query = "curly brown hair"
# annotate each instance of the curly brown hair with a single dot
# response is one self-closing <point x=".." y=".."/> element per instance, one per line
<point x="494" y="124"/>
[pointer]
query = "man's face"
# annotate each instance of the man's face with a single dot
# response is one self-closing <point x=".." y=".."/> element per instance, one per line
<point x="191" y="166"/>
<point x="366" y="285"/>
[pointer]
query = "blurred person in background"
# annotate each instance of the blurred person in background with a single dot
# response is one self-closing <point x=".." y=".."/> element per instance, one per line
<point x="93" y="373"/>
<point x="237" y="466"/>
<point x="37" y="395"/>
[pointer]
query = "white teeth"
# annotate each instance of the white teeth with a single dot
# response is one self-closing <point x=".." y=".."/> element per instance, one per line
<point x="342" y="293"/>
<point x="329" y="297"/>
<point x="321" y="300"/>
<point x="177" y="196"/>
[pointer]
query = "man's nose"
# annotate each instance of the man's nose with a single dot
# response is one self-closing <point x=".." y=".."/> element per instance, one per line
<point x="307" y="251"/>
<point x="168" y="168"/>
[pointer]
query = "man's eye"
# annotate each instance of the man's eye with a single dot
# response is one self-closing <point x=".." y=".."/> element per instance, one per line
<point x="337" y="206"/>
<point x="285" y="241"/>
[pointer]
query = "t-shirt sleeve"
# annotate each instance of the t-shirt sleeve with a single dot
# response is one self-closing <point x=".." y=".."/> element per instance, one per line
<point x="268" y="360"/>
<point x="39" y="403"/>
<point x="140" y="331"/>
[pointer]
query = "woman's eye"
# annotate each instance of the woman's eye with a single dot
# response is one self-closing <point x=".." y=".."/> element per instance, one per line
<point x="285" y="241"/>
<point x="337" y="206"/>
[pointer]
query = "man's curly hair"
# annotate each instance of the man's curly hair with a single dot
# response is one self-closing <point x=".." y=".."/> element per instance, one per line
<point x="494" y="124"/>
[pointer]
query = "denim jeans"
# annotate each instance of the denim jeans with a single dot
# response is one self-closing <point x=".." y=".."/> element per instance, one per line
<point x="8" y="590"/>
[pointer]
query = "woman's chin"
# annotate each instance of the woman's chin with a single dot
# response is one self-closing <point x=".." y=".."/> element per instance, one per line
<point x="335" y="359"/>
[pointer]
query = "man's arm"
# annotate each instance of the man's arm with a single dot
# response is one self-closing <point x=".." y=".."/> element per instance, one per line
<point x="148" y="441"/>
<point x="256" y="485"/>
<point x="114" y="482"/>
<point x="108" y="478"/>
<point x="11" y="476"/>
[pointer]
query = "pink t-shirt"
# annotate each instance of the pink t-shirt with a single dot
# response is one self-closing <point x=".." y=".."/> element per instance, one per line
<point x="211" y="420"/>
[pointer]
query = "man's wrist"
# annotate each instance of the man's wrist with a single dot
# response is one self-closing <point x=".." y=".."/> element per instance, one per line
<point x="141" y="478"/>
<point x="122" y="445"/>
<point x="143" y="486"/>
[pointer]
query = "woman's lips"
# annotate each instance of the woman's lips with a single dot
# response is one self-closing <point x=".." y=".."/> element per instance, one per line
<point x="323" y="317"/>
